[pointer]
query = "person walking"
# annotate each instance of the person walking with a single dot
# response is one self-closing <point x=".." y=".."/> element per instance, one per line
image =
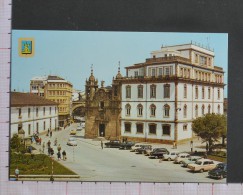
<point x="101" y="145"/>
<point x="52" y="151"/>
<point x="59" y="148"/>
<point x="64" y="155"/>
<point x="50" y="133"/>
<point x="49" y="144"/>
<point x="58" y="155"/>
<point x="55" y="142"/>
<point x="40" y="141"/>
<point x="43" y="147"/>
<point x="16" y="173"/>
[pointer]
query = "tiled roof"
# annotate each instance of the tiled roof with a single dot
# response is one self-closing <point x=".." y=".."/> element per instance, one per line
<point x="28" y="99"/>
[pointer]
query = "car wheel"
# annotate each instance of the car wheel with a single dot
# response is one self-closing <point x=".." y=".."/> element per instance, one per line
<point x="201" y="170"/>
<point x="169" y="159"/>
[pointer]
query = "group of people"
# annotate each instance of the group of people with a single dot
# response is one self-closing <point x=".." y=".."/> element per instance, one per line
<point x="51" y="150"/>
<point x="49" y="133"/>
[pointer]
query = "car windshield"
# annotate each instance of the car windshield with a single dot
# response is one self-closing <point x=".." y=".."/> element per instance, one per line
<point x="71" y="139"/>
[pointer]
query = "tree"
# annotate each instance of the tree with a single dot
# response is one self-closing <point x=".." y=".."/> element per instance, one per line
<point x="210" y="128"/>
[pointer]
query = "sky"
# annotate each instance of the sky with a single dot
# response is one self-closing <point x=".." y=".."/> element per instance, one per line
<point x="70" y="54"/>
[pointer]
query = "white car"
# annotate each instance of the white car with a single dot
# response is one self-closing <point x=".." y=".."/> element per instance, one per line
<point x="181" y="157"/>
<point x="72" y="142"/>
<point x="171" y="156"/>
<point x="202" y="165"/>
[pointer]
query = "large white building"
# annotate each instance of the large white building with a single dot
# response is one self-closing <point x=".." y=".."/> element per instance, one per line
<point x="161" y="96"/>
<point x="32" y="113"/>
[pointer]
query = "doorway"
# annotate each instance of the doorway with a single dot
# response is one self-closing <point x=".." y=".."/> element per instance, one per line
<point x="102" y="130"/>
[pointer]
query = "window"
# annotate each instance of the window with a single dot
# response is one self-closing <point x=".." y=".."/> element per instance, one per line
<point x="196" y="111"/>
<point x="55" y="110"/>
<point x="185" y="127"/>
<point x="152" y="110"/>
<point x="185" y="91"/>
<point x="209" y="93"/>
<point x="140" y="91"/>
<point x="140" y="110"/>
<point x="160" y="71"/>
<point x="153" y="72"/>
<point x="196" y="58"/>
<point x="44" y="125"/>
<point x="50" y="110"/>
<point x="167" y="71"/>
<point x="20" y="112"/>
<point x="28" y="112"/>
<point x="166" y="110"/>
<point x="188" y="73"/>
<point x="136" y="74"/>
<point x="102" y="104"/>
<point x="203" y="60"/>
<point x="139" y="127"/>
<point x="181" y="72"/>
<point x="209" y="61"/>
<point x="218" y="93"/>
<point x="166" y="91"/>
<point x="44" y="111"/>
<point x="209" y="109"/>
<point x="128" y="127"/>
<point x="29" y="129"/>
<point x="115" y="91"/>
<point x="202" y="92"/>
<point x="128" y="91"/>
<point x="166" y="129"/>
<point x="185" y="111"/>
<point x="152" y="128"/>
<point x="128" y="109"/>
<point x="203" y="109"/>
<point x="37" y="112"/>
<point x="152" y="91"/>
<point x="218" y="109"/>
<point x="196" y="92"/>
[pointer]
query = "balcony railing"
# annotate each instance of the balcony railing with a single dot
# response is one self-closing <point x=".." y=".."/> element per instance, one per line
<point x="168" y="59"/>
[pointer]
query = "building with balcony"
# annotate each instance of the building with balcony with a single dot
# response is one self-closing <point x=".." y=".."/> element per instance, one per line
<point x="56" y="89"/>
<point x="161" y="96"/>
<point x="32" y="113"/>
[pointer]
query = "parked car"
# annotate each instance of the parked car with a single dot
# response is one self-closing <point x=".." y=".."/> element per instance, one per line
<point x="72" y="142"/>
<point x="135" y="147"/>
<point x="148" y="151"/>
<point x="190" y="160"/>
<point x="159" y="153"/>
<point x="73" y="132"/>
<point x="181" y="156"/>
<point x="113" y="144"/>
<point x="171" y="155"/>
<point x="127" y="145"/>
<point x="202" y="165"/>
<point x="219" y="172"/>
<point x="143" y="149"/>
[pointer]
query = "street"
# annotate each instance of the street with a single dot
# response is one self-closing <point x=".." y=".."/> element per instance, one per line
<point x="111" y="164"/>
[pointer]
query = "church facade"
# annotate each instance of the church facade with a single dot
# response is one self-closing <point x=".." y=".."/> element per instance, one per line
<point x="103" y="109"/>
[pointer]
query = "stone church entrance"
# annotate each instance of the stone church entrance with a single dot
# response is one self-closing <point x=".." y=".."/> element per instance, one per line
<point x="102" y="130"/>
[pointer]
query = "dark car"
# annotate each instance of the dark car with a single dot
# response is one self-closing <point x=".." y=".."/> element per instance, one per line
<point x="159" y="153"/>
<point x="142" y="150"/>
<point x="113" y="144"/>
<point x="219" y="172"/>
<point x="127" y="145"/>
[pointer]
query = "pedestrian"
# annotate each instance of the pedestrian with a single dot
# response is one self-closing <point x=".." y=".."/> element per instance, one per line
<point x="33" y="139"/>
<point x="174" y="145"/>
<point x="17" y="173"/>
<point x="59" y="148"/>
<point x="50" y="133"/>
<point x="64" y="155"/>
<point x="205" y="155"/>
<point x="43" y="147"/>
<point x="207" y="147"/>
<point x="55" y="142"/>
<point x="101" y="145"/>
<point x="58" y="155"/>
<point x="49" y="151"/>
<point x="40" y="141"/>
<point x="52" y="151"/>
<point x="30" y="149"/>
<point x="49" y="144"/>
